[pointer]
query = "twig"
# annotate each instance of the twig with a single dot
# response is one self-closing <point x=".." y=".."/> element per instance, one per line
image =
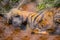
<point x="21" y="3"/>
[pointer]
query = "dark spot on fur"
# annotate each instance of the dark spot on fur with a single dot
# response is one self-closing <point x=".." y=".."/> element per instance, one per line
<point x="23" y="25"/>
<point x="32" y="33"/>
<point x="10" y="21"/>
<point x="1" y="15"/>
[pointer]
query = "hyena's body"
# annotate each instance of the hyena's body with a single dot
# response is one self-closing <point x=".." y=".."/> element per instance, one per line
<point x="49" y="19"/>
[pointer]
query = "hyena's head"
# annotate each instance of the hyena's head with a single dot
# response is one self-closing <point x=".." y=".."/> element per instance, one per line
<point x="18" y="21"/>
<point x="15" y="18"/>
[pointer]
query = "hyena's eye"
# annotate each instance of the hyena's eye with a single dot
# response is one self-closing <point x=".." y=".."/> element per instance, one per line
<point x="16" y="16"/>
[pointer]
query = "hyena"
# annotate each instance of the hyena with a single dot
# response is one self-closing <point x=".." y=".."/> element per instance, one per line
<point x="45" y="21"/>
